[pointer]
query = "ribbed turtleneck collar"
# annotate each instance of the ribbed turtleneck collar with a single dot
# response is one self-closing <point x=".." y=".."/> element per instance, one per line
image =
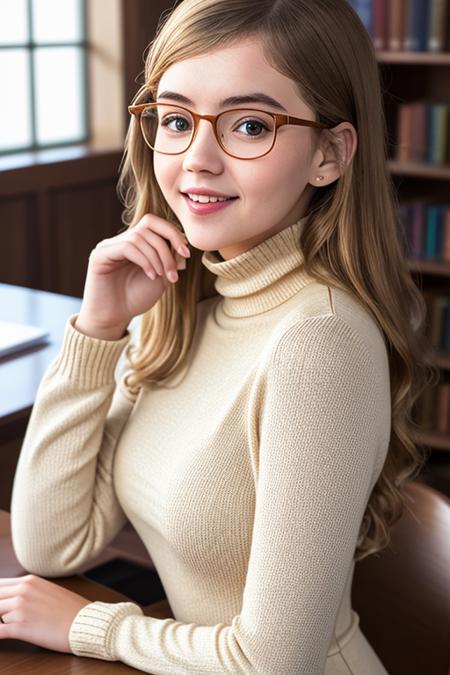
<point x="262" y="277"/>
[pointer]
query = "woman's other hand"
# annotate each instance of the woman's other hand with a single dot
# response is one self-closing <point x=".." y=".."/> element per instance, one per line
<point x="38" y="611"/>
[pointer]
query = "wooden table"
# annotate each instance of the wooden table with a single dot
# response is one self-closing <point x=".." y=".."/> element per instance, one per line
<point x="22" y="658"/>
<point x="21" y="373"/>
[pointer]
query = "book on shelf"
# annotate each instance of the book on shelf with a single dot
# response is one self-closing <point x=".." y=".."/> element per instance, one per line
<point x="406" y="25"/>
<point x="427" y="230"/>
<point x="438" y="320"/>
<point x="432" y="408"/>
<point x="423" y="132"/>
<point x="15" y="337"/>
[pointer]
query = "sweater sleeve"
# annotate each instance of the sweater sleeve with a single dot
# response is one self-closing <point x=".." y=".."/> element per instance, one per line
<point x="63" y="509"/>
<point x="320" y="422"/>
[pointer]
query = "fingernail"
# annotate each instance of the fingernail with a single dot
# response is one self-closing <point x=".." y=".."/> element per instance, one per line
<point x="184" y="250"/>
<point x="172" y="276"/>
<point x="182" y="264"/>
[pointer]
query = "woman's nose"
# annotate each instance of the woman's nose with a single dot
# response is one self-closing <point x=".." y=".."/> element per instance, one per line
<point x="204" y="153"/>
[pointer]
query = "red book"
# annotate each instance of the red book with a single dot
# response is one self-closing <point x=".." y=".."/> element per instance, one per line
<point x="396" y="24"/>
<point x="443" y="408"/>
<point x="417" y="230"/>
<point x="403" y="150"/>
<point x="379" y="29"/>
<point x="419" y="132"/>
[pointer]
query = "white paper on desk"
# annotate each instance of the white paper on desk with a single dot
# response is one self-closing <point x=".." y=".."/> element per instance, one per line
<point x="17" y="336"/>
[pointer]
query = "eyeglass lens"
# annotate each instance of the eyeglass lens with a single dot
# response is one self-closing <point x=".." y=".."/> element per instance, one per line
<point x="243" y="133"/>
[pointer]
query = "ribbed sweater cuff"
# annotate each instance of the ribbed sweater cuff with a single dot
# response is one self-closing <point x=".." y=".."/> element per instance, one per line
<point x="92" y="631"/>
<point x="89" y="362"/>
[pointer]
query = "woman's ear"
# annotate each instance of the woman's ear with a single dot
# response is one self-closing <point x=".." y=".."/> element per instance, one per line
<point x="335" y="150"/>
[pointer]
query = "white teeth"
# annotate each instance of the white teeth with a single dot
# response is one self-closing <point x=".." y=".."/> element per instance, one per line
<point x="205" y="199"/>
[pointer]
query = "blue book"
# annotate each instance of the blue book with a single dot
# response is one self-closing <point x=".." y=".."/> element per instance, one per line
<point x="446" y="327"/>
<point x="438" y="123"/>
<point x="417" y="26"/>
<point x="364" y="10"/>
<point x="431" y="232"/>
<point x="439" y="244"/>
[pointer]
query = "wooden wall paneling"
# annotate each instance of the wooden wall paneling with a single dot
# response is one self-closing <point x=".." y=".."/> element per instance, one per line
<point x="46" y="277"/>
<point x="79" y="218"/>
<point x="90" y="165"/>
<point x="19" y="249"/>
<point x="52" y="215"/>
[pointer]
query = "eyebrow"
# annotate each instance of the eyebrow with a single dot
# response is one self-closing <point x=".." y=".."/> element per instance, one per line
<point x="257" y="97"/>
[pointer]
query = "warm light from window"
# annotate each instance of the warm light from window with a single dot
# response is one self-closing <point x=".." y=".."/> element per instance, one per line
<point x="42" y="74"/>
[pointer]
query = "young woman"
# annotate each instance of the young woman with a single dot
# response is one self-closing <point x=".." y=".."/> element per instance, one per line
<point x="261" y="432"/>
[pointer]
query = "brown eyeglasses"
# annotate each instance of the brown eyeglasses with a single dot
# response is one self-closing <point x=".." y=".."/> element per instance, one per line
<point x="155" y="120"/>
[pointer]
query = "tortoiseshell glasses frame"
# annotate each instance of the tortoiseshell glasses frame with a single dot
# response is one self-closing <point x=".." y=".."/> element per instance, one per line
<point x="279" y="121"/>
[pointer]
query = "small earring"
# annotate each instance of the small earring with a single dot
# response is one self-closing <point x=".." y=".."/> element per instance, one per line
<point x="319" y="178"/>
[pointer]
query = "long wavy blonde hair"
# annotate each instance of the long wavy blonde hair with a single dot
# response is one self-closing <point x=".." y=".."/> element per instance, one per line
<point x="353" y="236"/>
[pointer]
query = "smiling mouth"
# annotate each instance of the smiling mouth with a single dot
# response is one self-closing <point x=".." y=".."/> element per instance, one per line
<point x="210" y="200"/>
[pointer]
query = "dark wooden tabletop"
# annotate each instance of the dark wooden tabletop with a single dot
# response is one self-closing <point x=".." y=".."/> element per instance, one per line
<point x="22" y="658"/>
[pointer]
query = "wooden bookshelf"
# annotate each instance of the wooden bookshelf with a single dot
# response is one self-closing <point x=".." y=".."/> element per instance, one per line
<point x="419" y="170"/>
<point x="434" y="267"/>
<point x="442" y="359"/>
<point x="420" y="76"/>
<point x="412" y="58"/>
<point x="433" y="440"/>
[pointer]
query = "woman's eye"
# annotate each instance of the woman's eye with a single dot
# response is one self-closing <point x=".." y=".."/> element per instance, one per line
<point x="180" y="123"/>
<point x="252" y="127"/>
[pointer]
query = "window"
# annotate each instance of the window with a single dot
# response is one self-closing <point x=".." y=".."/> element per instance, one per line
<point x="43" y="74"/>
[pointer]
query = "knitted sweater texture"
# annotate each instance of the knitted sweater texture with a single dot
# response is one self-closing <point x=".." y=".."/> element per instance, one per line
<point x="247" y="476"/>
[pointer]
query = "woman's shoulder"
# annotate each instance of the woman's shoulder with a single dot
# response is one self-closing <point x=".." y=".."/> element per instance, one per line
<point x="325" y="316"/>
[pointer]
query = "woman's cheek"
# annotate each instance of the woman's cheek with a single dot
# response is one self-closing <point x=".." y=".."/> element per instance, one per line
<point x="164" y="174"/>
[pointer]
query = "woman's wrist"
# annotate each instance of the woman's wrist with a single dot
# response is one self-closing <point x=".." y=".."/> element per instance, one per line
<point x="101" y="333"/>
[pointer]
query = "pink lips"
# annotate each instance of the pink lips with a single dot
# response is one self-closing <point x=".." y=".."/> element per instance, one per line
<point x="205" y="209"/>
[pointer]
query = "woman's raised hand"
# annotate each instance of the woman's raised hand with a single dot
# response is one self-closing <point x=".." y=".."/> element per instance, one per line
<point x="128" y="273"/>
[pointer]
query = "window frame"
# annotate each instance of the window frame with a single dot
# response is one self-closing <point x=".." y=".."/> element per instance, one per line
<point x="29" y="47"/>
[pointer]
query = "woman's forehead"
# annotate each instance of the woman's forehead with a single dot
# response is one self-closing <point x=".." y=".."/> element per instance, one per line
<point x="218" y="76"/>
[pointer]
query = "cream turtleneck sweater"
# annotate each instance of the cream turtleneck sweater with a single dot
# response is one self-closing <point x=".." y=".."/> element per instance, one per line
<point x="246" y="477"/>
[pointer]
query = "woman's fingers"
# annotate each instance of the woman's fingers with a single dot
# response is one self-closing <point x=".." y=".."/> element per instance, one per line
<point x="169" y="243"/>
<point x="8" y="607"/>
<point x="125" y="250"/>
<point x="159" y="247"/>
<point x="8" y="598"/>
<point x="163" y="228"/>
<point x="148" y="251"/>
<point x="11" y="597"/>
<point x="167" y="259"/>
